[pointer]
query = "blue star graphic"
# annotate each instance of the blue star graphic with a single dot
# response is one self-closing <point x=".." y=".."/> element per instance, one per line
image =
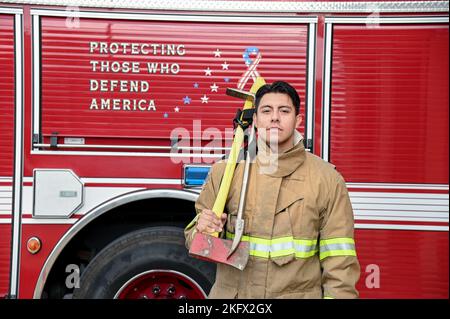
<point x="196" y="85"/>
<point x="227" y="80"/>
<point x="187" y="100"/>
<point x="166" y="115"/>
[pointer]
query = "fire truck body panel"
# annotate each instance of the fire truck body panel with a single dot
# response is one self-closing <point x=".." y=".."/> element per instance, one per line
<point x="113" y="139"/>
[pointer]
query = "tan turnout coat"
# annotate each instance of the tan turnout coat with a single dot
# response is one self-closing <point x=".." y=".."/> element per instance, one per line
<point x="300" y="220"/>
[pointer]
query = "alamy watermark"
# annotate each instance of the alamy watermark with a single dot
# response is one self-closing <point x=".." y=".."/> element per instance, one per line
<point x="190" y="147"/>
<point x="73" y="17"/>
<point x="73" y="277"/>
<point x="373" y="277"/>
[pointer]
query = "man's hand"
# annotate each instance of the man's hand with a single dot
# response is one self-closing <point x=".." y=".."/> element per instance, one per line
<point x="209" y="223"/>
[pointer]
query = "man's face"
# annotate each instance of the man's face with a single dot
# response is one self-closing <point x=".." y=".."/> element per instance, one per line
<point x="276" y="120"/>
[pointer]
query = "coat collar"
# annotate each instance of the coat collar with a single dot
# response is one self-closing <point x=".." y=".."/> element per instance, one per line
<point x="284" y="164"/>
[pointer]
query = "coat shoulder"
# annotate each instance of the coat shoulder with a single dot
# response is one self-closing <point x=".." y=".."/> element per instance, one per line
<point x="321" y="167"/>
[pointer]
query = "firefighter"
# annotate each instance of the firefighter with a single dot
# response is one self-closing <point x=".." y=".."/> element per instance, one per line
<point x="298" y="216"/>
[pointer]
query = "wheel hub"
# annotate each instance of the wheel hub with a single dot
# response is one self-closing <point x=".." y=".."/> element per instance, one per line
<point x="161" y="284"/>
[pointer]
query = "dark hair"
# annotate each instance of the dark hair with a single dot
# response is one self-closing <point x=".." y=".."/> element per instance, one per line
<point x="279" y="87"/>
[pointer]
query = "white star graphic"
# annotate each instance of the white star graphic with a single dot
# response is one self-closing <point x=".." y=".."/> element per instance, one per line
<point x="204" y="98"/>
<point x="177" y="109"/>
<point x="217" y="53"/>
<point x="214" y="87"/>
<point x="225" y="66"/>
<point x="208" y="71"/>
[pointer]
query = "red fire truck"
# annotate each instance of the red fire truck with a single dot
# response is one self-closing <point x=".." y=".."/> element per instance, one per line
<point x="112" y="113"/>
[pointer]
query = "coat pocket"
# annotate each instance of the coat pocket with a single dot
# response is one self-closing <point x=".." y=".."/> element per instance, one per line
<point x="286" y="229"/>
<point x="282" y="243"/>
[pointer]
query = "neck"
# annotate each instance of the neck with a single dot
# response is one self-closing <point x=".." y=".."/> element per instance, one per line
<point x="282" y="162"/>
<point x="282" y="147"/>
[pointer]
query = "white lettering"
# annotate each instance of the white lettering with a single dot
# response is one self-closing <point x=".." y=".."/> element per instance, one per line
<point x="123" y="105"/>
<point x="113" y="48"/>
<point x="94" y="85"/>
<point x="141" y="102"/>
<point x="124" y="67"/>
<point x="144" y="48"/>
<point x="119" y="85"/>
<point x="105" y="104"/>
<point x="92" y="46"/>
<point x="94" y="105"/>
<point x="116" y="104"/>
<point x="135" y="67"/>
<point x="136" y="48"/>
<point x="115" y="66"/>
<point x="104" y="85"/>
<point x="155" y="48"/>
<point x="151" y="106"/>
<point x="94" y="65"/>
<point x="181" y="50"/>
<point x="144" y="86"/>
<point x="163" y="68"/>
<point x="152" y="67"/>
<point x="174" y="68"/>
<point x="103" y="47"/>
<point x="104" y="66"/>
<point x="195" y="309"/>
<point x="126" y="105"/>
<point x="124" y="47"/>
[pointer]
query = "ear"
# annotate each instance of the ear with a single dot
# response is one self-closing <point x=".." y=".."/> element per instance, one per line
<point x="298" y="120"/>
<point x="254" y="120"/>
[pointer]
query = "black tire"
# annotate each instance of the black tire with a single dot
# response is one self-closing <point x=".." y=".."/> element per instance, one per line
<point x="138" y="252"/>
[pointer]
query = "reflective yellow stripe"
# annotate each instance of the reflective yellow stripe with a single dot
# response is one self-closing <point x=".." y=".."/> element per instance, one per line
<point x="258" y="253"/>
<point x="281" y="253"/>
<point x="192" y="223"/>
<point x="326" y="297"/>
<point x="343" y="240"/>
<point x="337" y="253"/>
<point x="306" y="254"/>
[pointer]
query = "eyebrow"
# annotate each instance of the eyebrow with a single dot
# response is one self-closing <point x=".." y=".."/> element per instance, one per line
<point x="282" y="106"/>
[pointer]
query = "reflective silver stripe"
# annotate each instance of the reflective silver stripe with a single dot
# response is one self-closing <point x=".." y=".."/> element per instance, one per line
<point x="343" y="246"/>
<point x="340" y="246"/>
<point x="260" y="247"/>
<point x="288" y="246"/>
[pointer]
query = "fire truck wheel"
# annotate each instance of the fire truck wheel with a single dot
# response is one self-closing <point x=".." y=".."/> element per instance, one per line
<point x="151" y="263"/>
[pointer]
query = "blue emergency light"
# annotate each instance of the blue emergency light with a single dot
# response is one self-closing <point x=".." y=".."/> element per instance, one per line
<point x="195" y="175"/>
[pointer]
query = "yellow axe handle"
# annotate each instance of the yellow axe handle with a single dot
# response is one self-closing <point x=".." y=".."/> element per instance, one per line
<point x="222" y="195"/>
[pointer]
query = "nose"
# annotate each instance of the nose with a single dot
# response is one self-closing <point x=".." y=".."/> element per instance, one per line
<point x="275" y="116"/>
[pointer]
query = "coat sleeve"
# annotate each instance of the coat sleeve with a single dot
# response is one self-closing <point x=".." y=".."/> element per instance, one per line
<point x="340" y="266"/>
<point x="206" y="199"/>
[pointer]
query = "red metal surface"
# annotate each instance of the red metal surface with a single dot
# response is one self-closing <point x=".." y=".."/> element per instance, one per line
<point x="161" y="285"/>
<point x="31" y="265"/>
<point x="389" y="103"/>
<point x="6" y="143"/>
<point x="67" y="71"/>
<point x="7" y="94"/>
<point x="402" y="255"/>
<point x="5" y="256"/>
<point x="412" y="264"/>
